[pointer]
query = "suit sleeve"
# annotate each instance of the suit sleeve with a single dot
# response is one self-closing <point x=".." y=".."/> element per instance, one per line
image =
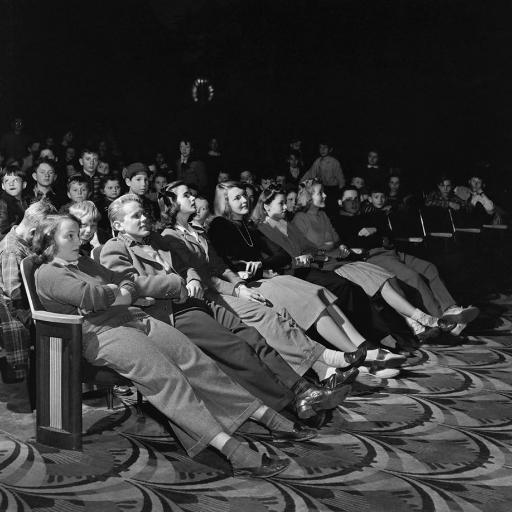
<point x="115" y="256"/>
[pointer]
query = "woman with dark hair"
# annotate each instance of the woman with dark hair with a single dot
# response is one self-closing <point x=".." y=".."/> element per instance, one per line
<point x="225" y="287"/>
<point x="203" y="404"/>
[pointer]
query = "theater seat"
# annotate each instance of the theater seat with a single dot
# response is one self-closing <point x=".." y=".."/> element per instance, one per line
<point x="60" y="371"/>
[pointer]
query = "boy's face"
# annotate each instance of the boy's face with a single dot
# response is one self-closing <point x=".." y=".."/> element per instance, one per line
<point x="445" y="187"/>
<point x="103" y="168"/>
<point x="159" y="158"/>
<point x="70" y="154"/>
<point x="13" y="185"/>
<point x="281" y="179"/>
<point x="88" y="228"/>
<point x="324" y="150"/>
<point x="185" y="149"/>
<point x="34" y="148"/>
<point x="291" y="201"/>
<point x="78" y="192"/>
<point x="202" y="211"/>
<point x="47" y="153"/>
<point x="112" y="189"/>
<point x="70" y="170"/>
<point x="139" y="183"/>
<point x="222" y="177"/>
<point x="378" y="199"/>
<point x="357" y="181"/>
<point x="394" y="184"/>
<point x="373" y="158"/>
<point x="159" y="183"/>
<point x="44" y="175"/>
<point x="246" y="177"/>
<point x="293" y="161"/>
<point x="89" y="162"/>
<point x="265" y="183"/>
<point x="476" y="184"/>
<point x="350" y="201"/>
<point x="133" y="221"/>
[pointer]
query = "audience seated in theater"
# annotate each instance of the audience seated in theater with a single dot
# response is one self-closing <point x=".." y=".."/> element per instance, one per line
<point x="204" y="406"/>
<point x="89" y="167"/>
<point x="13" y="144"/>
<point x="291" y="203"/>
<point x="136" y="178"/>
<point x="444" y="196"/>
<point x="88" y="216"/>
<point x="482" y="209"/>
<point x="110" y="189"/>
<point x="214" y="159"/>
<point x="398" y="198"/>
<point x="226" y="287"/>
<point x="77" y="191"/>
<point x="31" y="155"/>
<point x="239" y="350"/>
<point x="191" y="170"/>
<point x="159" y="181"/>
<point x="44" y="175"/>
<point x="370" y="232"/>
<point x="200" y="221"/>
<point x="12" y="202"/>
<point x="373" y="172"/>
<point x="15" y="311"/>
<point x="245" y="250"/>
<point x="295" y="169"/>
<point x="317" y="228"/>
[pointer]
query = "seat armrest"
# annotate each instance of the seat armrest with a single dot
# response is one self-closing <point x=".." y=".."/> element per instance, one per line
<point x="46" y="316"/>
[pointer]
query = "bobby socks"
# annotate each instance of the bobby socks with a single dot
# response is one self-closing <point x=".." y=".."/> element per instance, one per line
<point x="240" y="455"/>
<point x="424" y="319"/>
<point x="334" y="358"/>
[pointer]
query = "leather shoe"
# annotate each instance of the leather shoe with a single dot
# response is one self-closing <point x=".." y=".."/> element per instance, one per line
<point x="270" y="466"/>
<point x="339" y="379"/>
<point x="332" y="393"/>
<point x="299" y="433"/>
<point x="446" y="325"/>
<point x="356" y="358"/>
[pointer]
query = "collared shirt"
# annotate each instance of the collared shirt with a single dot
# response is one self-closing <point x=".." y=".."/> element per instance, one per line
<point x="328" y="170"/>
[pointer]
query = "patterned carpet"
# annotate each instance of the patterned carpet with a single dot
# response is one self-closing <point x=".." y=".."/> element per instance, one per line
<point x="438" y="439"/>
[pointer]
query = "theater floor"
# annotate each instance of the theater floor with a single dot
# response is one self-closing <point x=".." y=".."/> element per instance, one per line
<point x="437" y="439"/>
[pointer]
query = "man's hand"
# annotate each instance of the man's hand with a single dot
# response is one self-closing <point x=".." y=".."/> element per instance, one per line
<point x="195" y="289"/>
<point x="183" y="294"/>
<point x="367" y="232"/>
<point x="246" y="293"/>
<point x="344" y="251"/>
<point x="453" y="205"/>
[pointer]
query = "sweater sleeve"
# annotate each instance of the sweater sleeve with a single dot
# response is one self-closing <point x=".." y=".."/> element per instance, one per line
<point x="64" y="285"/>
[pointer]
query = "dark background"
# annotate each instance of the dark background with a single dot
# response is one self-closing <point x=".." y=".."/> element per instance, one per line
<point x="426" y="82"/>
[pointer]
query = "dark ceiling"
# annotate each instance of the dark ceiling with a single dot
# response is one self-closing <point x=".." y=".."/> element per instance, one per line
<point x="427" y="81"/>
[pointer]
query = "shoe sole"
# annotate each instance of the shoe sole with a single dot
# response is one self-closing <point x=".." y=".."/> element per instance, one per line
<point x="464" y="317"/>
<point x="380" y="364"/>
<point x="247" y="473"/>
<point x="306" y="437"/>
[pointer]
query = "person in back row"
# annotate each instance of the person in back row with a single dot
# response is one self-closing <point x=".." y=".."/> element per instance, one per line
<point x="371" y="232"/>
<point x="240" y="350"/>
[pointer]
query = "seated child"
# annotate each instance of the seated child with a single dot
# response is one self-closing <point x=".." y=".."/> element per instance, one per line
<point x="12" y="202"/>
<point x="159" y="183"/>
<point x="110" y="190"/>
<point x="444" y="197"/>
<point x="78" y="191"/>
<point x="89" y="216"/>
